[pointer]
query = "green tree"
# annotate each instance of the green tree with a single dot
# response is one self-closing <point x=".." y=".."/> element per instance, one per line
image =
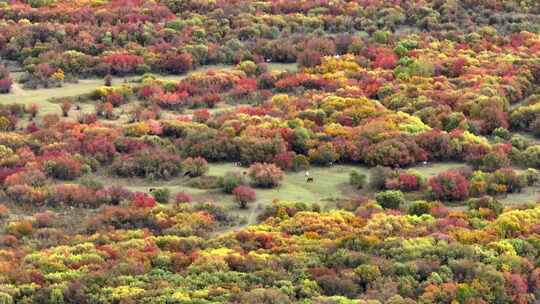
<point x="232" y="180"/>
<point x="390" y="199"/>
<point x="162" y="195"/>
<point x="357" y="179"/>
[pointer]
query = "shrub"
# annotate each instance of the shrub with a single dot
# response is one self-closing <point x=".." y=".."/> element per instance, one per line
<point x="7" y="156"/>
<point x="91" y="183"/>
<point x="419" y="208"/>
<point x="74" y="195"/>
<point x="309" y="58"/>
<point x="205" y="182"/>
<point x="507" y="179"/>
<point x="65" y="168"/>
<point x="44" y="219"/>
<point x="283" y="208"/>
<point x="249" y="67"/>
<point x="378" y="176"/>
<point x="392" y="152"/>
<point x="201" y="115"/>
<point x="494" y="160"/>
<point x="254" y="149"/>
<point x="5" y="85"/>
<point x="108" y="80"/>
<point x="449" y="186"/>
<point x="263" y="295"/>
<point x="265" y="175"/>
<point x="333" y="285"/>
<point x="532" y="176"/>
<point x="194" y="167"/>
<point x="25" y="194"/>
<point x="34" y="178"/>
<point x="123" y="63"/>
<point x="114" y="195"/>
<point x="162" y="195"/>
<point x="143" y="200"/>
<point x="406" y="181"/>
<point x="390" y="199"/>
<point x="66" y="106"/>
<point x="183" y="197"/>
<point x="244" y="195"/>
<point x="4" y="211"/>
<point x="149" y="163"/>
<point x="231" y="180"/>
<point x="32" y="109"/>
<point x="86" y="118"/>
<point x="357" y="179"/>
<point x="20" y="228"/>
<point x="285" y="160"/>
<point x="502" y="133"/>
<point x="5" y="298"/>
<point x="300" y="162"/>
<point x="323" y="155"/>
<point x="486" y="203"/>
<point x="532" y="156"/>
<point x="367" y="273"/>
<point x="177" y="63"/>
<point x="40" y="3"/>
<point x="5" y="80"/>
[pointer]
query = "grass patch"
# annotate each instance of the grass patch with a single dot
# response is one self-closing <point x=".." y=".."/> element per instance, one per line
<point x="329" y="183"/>
<point x="526" y="196"/>
<point x="434" y="168"/>
<point x="44" y="96"/>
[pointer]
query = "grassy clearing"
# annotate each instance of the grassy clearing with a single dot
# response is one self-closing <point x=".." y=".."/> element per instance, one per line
<point x="434" y="168"/>
<point x="329" y="183"/>
<point x="291" y="67"/>
<point x="526" y="196"/>
<point x="43" y="96"/>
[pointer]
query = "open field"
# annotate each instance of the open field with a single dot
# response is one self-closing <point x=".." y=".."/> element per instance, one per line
<point x="330" y="185"/>
<point x="43" y="96"/>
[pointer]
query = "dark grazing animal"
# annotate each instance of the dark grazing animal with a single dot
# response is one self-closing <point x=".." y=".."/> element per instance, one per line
<point x="309" y="180"/>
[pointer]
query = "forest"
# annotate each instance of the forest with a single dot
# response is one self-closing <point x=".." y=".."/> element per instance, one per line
<point x="270" y="151"/>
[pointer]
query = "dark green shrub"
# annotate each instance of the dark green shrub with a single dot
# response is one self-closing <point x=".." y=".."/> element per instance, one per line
<point x="162" y="195"/>
<point x="357" y="179"/>
<point x="390" y="199"/>
<point x="232" y="180"/>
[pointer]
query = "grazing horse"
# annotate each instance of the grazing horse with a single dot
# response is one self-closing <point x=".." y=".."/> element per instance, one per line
<point x="309" y="180"/>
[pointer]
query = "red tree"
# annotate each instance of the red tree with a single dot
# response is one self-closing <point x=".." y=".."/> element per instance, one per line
<point x="143" y="200"/>
<point x="244" y="195"/>
<point x="449" y="185"/>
